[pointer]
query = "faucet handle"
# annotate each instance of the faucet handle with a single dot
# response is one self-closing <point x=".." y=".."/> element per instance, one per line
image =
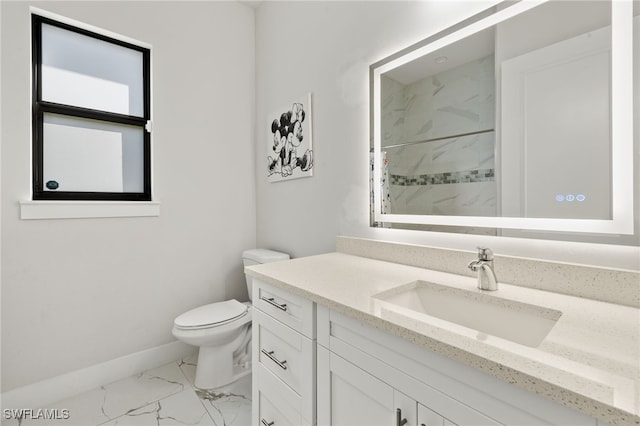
<point x="485" y="253"/>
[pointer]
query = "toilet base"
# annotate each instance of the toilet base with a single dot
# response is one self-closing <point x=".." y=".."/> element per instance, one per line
<point x="220" y="365"/>
<point x="216" y="368"/>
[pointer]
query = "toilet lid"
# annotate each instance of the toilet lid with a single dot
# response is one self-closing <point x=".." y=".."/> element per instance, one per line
<point x="212" y="314"/>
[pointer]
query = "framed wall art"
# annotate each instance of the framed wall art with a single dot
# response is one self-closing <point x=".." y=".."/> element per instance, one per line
<point x="289" y="147"/>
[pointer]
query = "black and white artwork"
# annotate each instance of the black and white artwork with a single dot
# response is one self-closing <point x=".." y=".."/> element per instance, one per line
<point x="289" y="152"/>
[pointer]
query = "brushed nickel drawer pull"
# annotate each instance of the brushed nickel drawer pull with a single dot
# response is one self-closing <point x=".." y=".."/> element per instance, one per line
<point x="264" y="422"/>
<point x="271" y="301"/>
<point x="270" y="355"/>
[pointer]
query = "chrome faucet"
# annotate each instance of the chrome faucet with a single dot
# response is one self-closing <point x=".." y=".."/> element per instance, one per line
<point x="483" y="265"/>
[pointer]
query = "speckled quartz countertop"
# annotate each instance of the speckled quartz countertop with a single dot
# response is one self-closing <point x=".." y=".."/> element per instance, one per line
<point x="589" y="361"/>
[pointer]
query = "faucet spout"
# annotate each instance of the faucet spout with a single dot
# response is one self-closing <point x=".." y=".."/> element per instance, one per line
<point x="487" y="279"/>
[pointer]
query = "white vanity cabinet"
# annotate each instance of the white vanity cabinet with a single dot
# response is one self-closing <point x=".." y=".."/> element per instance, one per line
<point x="427" y="417"/>
<point x="315" y="366"/>
<point x="347" y="395"/>
<point x="369" y="377"/>
<point x="350" y="396"/>
<point x="284" y="353"/>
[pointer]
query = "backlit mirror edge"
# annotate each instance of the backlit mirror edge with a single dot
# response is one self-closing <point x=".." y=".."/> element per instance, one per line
<point x="622" y="222"/>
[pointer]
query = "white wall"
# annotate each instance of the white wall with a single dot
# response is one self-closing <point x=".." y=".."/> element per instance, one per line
<point x="326" y="48"/>
<point x="80" y="292"/>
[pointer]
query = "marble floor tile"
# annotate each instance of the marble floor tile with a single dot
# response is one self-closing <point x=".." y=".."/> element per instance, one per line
<point x="188" y="367"/>
<point x="84" y="409"/>
<point x="138" y="391"/>
<point x="161" y="396"/>
<point x="183" y="408"/>
<point x="229" y="405"/>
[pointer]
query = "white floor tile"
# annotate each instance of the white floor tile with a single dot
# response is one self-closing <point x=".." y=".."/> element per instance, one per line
<point x="229" y="405"/>
<point x="138" y="391"/>
<point x="84" y="409"/>
<point x="161" y="396"/>
<point x="183" y="408"/>
<point x="188" y="367"/>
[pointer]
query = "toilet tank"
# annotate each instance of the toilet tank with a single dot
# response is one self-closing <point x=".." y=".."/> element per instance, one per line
<point x="259" y="256"/>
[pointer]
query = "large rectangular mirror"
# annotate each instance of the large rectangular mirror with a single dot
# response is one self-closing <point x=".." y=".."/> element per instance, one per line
<point x="520" y="118"/>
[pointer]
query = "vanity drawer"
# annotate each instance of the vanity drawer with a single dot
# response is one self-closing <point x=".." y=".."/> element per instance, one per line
<point x="275" y="401"/>
<point x="287" y="354"/>
<point x="294" y="311"/>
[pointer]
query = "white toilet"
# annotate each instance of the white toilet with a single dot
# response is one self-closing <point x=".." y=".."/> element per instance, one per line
<point x="223" y="332"/>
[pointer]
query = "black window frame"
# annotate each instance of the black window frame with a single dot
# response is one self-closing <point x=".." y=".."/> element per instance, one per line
<point x="40" y="107"/>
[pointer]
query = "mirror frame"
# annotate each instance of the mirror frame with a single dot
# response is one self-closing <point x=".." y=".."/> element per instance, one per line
<point x="622" y="221"/>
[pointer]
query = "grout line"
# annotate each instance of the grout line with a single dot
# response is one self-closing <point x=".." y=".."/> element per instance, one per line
<point x="180" y="363"/>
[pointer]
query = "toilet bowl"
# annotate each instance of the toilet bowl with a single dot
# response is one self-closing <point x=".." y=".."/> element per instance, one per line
<point x="222" y="331"/>
<point x="218" y="330"/>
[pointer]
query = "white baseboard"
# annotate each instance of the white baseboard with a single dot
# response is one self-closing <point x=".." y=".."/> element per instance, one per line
<point x="40" y="394"/>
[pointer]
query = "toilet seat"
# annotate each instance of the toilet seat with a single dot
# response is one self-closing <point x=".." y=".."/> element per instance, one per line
<point x="212" y="315"/>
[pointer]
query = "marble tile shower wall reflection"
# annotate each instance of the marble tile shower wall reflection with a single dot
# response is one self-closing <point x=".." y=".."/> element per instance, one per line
<point x="451" y="176"/>
<point x="459" y="100"/>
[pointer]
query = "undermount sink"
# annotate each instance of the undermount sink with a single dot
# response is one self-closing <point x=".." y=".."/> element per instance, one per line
<point x="515" y="321"/>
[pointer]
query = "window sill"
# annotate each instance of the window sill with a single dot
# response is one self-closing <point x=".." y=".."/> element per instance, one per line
<point x="30" y="210"/>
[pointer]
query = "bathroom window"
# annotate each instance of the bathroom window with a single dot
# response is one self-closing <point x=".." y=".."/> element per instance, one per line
<point x="91" y="115"/>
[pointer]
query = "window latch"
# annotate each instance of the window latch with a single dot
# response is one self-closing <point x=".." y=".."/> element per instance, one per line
<point x="149" y="126"/>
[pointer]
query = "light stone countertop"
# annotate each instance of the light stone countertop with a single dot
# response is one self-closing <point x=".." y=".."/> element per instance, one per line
<point x="589" y="361"/>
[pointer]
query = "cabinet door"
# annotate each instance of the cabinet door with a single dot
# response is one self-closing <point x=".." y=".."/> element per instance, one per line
<point x="291" y="310"/>
<point x="405" y="409"/>
<point x="284" y="352"/>
<point x="274" y="402"/>
<point x="270" y="414"/>
<point x="351" y="397"/>
<point x="459" y="414"/>
<point x="427" y="417"/>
